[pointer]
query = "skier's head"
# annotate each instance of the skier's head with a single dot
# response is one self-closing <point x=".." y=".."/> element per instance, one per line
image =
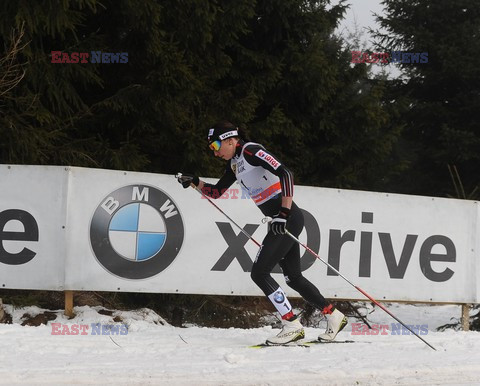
<point x="221" y="131"/>
<point x="223" y="138"/>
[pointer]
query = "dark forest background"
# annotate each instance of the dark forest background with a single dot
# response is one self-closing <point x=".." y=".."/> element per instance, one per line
<point x="279" y="69"/>
<point x="276" y="68"/>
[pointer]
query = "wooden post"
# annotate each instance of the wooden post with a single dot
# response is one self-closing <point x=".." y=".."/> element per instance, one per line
<point x="69" y="304"/>
<point x="465" y="317"/>
<point x="2" y="313"/>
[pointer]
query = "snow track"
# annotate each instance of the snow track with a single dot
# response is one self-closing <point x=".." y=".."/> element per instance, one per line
<point x="156" y="354"/>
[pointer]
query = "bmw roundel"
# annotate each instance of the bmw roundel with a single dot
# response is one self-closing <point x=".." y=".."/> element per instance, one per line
<point x="279" y="297"/>
<point x="136" y="232"/>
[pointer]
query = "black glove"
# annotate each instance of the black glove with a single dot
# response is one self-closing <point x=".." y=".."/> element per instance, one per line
<point x="279" y="221"/>
<point x="186" y="180"/>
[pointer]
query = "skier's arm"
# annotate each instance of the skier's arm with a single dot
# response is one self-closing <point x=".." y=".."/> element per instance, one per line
<point x="215" y="191"/>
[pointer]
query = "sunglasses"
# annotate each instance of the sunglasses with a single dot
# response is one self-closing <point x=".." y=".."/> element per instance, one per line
<point x="215" y="145"/>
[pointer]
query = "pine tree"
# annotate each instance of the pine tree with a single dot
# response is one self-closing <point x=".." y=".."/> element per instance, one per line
<point x="39" y="112"/>
<point x="276" y="69"/>
<point x="323" y="116"/>
<point x="442" y="118"/>
<point x="52" y="115"/>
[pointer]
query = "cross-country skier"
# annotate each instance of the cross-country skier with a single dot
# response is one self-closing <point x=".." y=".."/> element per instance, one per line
<point x="270" y="185"/>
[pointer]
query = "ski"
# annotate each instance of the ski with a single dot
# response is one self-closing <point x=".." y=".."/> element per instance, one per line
<point x="305" y="343"/>
<point x="327" y="341"/>
<point x="291" y="344"/>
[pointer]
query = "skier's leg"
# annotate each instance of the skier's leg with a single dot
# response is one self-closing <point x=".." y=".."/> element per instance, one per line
<point x="290" y="265"/>
<point x="293" y="276"/>
<point x="265" y="261"/>
<point x="336" y="320"/>
<point x="270" y="253"/>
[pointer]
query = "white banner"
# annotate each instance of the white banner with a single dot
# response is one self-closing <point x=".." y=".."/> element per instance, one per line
<point x="141" y="232"/>
<point x="32" y="227"/>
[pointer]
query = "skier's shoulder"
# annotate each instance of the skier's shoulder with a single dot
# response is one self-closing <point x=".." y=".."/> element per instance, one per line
<point x="250" y="148"/>
<point x="256" y="154"/>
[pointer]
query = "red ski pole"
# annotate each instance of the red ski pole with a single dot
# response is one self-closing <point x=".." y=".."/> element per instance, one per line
<point x="319" y="258"/>
<point x="359" y="289"/>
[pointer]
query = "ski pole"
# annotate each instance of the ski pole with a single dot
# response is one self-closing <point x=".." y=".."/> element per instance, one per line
<point x="319" y="258"/>
<point x="359" y="289"/>
<point x="178" y="175"/>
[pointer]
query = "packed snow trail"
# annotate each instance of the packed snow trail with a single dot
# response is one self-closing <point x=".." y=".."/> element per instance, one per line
<point x="155" y="353"/>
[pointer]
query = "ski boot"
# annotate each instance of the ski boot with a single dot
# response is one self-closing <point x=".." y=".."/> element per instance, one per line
<point x="336" y="322"/>
<point x="292" y="331"/>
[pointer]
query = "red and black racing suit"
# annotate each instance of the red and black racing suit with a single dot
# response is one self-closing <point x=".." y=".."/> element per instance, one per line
<point x="280" y="249"/>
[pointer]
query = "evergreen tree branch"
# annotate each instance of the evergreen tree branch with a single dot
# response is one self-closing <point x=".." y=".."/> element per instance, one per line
<point x="12" y="72"/>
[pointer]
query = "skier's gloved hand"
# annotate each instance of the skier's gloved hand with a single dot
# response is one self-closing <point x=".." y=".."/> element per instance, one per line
<point x="279" y="221"/>
<point x="186" y="180"/>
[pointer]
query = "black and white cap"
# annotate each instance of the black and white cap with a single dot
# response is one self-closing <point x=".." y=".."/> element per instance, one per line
<point x="221" y="133"/>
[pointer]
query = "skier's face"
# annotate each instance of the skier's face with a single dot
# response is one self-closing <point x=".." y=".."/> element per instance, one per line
<point x="226" y="150"/>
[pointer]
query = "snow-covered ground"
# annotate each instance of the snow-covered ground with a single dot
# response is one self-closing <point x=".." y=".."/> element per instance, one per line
<point x="155" y="353"/>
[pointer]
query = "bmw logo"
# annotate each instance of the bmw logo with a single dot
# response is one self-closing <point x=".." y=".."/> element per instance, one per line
<point x="278" y="297"/>
<point x="136" y="232"/>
